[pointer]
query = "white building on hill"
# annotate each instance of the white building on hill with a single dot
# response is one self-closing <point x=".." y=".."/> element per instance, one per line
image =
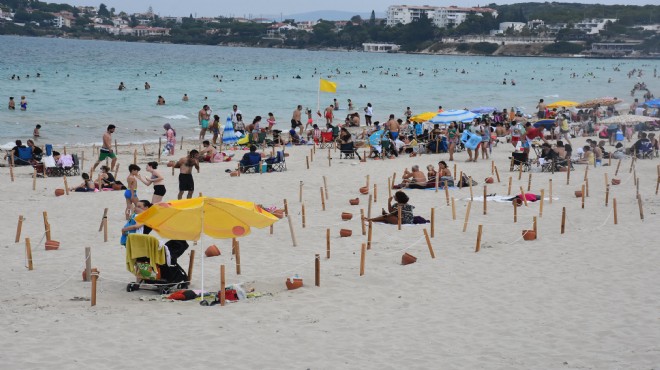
<point x="442" y="16"/>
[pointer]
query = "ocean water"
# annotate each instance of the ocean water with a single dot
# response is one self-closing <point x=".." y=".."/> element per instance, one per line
<point x="76" y="96"/>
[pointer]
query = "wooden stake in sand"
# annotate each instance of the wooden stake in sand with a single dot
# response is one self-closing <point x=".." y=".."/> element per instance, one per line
<point x="471" y="195"/>
<point x="614" y="209"/>
<point x="389" y="188"/>
<point x="286" y="208"/>
<point x="311" y="155"/>
<point x="550" y="188"/>
<point x="364" y="229"/>
<point x="618" y="165"/>
<point x="367" y="186"/>
<point x="370" y="234"/>
<point x="28" y="253"/>
<point x="144" y="149"/>
<point x="223" y="296"/>
<point x="46" y="225"/>
<point x="322" y="200"/>
<point x="191" y="264"/>
<point x="446" y="192"/>
<point x="307" y="160"/>
<point x="606" y="179"/>
<point x="300" y="192"/>
<point x="467" y="215"/>
<point x="433" y="222"/>
<point x="82" y="163"/>
<point x="428" y="243"/>
<point x="329" y="159"/>
<point x="293" y="235"/>
<point x="453" y="209"/>
<point x="657" y="184"/>
<point x="583" y="196"/>
<point x="237" y="250"/>
<point x="586" y="187"/>
<point x="88" y="263"/>
<point x="529" y="182"/>
<point x="437" y="182"/>
<point x="303" y="214"/>
<point x="534" y="226"/>
<point x="455" y="171"/>
<point x="327" y="243"/>
<point x="135" y="156"/>
<point x="398" y="221"/>
<point x="34" y="180"/>
<point x="485" y="199"/>
<point x="317" y="270"/>
<point x="497" y="173"/>
<point x="632" y="164"/>
<point x="563" y="219"/>
<point x="568" y="173"/>
<point x="607" y="194"/>
<point x="520" y="170"/>
<point x="363" y="253"/>
<point x="639" y="204"/>
<point x="477" y="248"/>
<point x="541" y="205"/>
<point x="393" y="178"/>
<point x="19" y="228"/>
<point x="522" y="192"/>
<point x="515" y="211"/>
<point x="117" y="147"/>
<point x="586" y="172"/>
<point x="325" y="186"/>
<point x="369" y="207"/>
<point x="492" y="167"/>
<point x="66" y="186"/>
<point x="95" y="277"/>
<point x="460" y="183"/>
<point x="11" y="171"/>
<point x="375" y="193"/>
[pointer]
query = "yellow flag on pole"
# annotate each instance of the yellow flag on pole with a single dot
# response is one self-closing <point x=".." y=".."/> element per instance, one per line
<point x="327" y="86"/>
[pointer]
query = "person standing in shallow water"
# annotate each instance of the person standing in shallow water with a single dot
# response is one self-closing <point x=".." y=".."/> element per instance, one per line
<point x="12" y="104"/>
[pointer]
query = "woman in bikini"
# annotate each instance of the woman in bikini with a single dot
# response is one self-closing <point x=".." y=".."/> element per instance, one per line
<point x="452" y="138"/>
<point x="157" y="180"/>
<point x="392" y="217"/>
<point x="131" y="192"/>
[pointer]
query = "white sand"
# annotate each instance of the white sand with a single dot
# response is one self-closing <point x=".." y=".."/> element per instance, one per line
<point x="587" y="299"/>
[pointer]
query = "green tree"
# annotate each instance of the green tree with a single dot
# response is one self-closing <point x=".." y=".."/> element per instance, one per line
<point x="103" y="11"/>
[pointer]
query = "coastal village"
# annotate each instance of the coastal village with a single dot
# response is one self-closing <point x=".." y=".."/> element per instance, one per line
<point x="583" y="38"/>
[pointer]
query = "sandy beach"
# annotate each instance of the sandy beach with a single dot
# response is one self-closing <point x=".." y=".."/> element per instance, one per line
<point x="584" y="299"/>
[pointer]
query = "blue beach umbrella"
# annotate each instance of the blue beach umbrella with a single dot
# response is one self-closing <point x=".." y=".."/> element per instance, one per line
<point x="547" y="124"/>
<point x="228" y="134"/>
<point x="655" y="103"/>
<point x="483" y="110"/>
<point x="458" y="115"/>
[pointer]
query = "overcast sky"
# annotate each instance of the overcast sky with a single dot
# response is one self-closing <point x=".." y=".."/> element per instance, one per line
<point x="256" y="8"/>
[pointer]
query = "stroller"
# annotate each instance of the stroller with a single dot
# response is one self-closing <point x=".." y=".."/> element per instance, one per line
<point x="162" y="277"/>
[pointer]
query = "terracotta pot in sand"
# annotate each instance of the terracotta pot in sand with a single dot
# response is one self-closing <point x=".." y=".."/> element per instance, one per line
<point x="344" y="233"/>
<point x="346" y="216"/>
<point x="407" y="259"/>
<point x="529" y="234"/>
<point x="354" y="202"/>
<point x="212" y="251"/>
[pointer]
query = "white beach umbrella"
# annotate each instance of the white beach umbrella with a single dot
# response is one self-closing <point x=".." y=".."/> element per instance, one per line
<point x="454" y="115"/>
<point x="627" y="119"/>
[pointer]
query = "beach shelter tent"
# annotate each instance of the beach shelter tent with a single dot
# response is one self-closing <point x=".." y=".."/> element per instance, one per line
<point x="458" y="115"/>
<point x="190" y="219"/>
<point x="562" y="103"/>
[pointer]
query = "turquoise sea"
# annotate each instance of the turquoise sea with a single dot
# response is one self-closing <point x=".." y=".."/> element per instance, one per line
<point x="76" y="95"/>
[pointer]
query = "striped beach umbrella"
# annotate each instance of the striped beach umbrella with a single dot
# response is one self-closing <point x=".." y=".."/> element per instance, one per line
<point x="228" y="134"/>
<point x="454" y="115"/>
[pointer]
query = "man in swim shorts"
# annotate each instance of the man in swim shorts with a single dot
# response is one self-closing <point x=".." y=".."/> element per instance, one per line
<point x="203" y="118"/>
<point x="185" y="166"/>
<point x="106" y="149"/>
<point x="295" y="119"/>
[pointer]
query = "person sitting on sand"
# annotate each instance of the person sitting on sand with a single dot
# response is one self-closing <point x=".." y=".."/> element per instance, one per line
<point x="250" y="159"/>
<point x="107" y="180"/>
<point x="86" y="186"/>
<point x="392" y="216"/>
<point x="431" y="173"/>
<point x="445" y="174"/>
<point x="518" y="199"/>
<point x="294" y="138"/>
<point x="414" y="179"/>
<point x="587" y="157"/>
<point x="314" y="134"/>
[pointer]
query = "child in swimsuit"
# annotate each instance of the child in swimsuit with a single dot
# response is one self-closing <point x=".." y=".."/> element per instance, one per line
<point x="131" y="192"/>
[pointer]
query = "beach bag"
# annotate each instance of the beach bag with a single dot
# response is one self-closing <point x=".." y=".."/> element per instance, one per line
<point x="145" y="271"/>
<point x="465" y="181"/>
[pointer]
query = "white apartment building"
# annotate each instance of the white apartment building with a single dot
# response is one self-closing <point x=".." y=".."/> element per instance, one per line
<point x="594" y="26"/>
<point x="442" y="16"/>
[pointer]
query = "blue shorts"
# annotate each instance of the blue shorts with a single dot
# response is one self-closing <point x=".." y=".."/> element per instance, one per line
<point x="205" y="123"/>
<point x="129" y="193"/>
<point x="394" y="135"/>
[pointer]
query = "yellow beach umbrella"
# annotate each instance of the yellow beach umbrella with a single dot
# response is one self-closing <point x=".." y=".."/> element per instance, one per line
<point x="189" y="219"/>
<point x="562" y="103"/>
<point x="219" y="218"/>
<point x="423" y="117"/>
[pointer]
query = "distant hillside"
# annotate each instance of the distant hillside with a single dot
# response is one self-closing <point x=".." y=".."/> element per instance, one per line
<point x="331" y="15"/>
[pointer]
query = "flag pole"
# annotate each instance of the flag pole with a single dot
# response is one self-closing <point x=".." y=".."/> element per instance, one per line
<point x="318" y="98"/>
